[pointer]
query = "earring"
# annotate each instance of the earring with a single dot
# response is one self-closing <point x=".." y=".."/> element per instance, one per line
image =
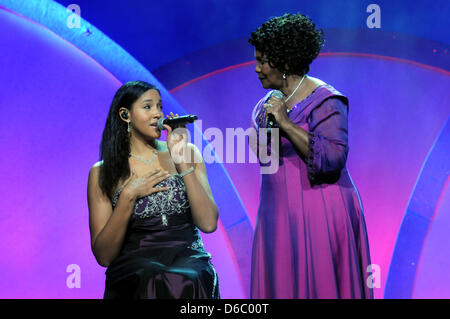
<point x="284" y="76"/>
<point x="129" y="129"/>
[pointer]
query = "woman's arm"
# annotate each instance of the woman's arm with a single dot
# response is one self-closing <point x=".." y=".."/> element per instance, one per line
<point x="108" y="227"/>
<point x="325" y="147"/>
<point x="186" y="156"/>
<point x="203" y="207"/>
<point x="298" y="137"/>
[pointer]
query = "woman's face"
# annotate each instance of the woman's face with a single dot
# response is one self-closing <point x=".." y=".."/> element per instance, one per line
<point x="145" y="113"/>
<point x="271" y="78"/>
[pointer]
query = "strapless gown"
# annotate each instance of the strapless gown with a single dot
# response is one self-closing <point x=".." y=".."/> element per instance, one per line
<point x="163" y="254"/>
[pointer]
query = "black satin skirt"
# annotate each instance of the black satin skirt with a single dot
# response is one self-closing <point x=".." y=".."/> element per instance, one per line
<point x="162" y="262"/>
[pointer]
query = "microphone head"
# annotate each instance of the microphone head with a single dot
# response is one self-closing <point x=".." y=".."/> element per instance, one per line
<point x="180" y="120"/>
<point x="277" y="93"/>
<point x="160" y="124"/>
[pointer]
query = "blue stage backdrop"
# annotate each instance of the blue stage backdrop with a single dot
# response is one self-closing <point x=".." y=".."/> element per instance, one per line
<point x="58" y="79"/>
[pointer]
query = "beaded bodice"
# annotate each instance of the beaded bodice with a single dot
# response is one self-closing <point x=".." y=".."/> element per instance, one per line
<point x="162" y="203"/>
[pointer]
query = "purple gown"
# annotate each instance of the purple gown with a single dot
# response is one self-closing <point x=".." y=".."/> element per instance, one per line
<point x="162" y="255"/>
<point x="310" y="238"/>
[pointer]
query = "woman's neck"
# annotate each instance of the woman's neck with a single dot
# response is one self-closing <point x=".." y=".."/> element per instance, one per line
<point x="306" y="88"/>
<point x="142" y="147"/>
<point x="291" y="83"/>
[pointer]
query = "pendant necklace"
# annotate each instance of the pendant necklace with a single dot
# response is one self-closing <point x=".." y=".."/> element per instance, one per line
<point x="293" y="92"/>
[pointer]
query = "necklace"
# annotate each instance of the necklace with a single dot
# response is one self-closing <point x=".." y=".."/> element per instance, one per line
<point x="293" y="92"/>
<point x="146" y="161"/>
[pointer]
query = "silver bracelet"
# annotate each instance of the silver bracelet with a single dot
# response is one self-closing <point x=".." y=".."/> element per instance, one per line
<point x="187" y="172"/>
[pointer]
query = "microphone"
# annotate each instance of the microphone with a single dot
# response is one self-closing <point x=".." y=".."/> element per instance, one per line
<point x="175" y="121"/>
<point x="270" y="118"/>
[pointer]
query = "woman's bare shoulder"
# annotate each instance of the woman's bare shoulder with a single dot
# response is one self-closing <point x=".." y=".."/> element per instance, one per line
<point x="95" y="170"/>
<point x="97" y="166"/>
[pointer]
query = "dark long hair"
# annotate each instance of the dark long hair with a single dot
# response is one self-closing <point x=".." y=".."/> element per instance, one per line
<point x="115" y="144"/>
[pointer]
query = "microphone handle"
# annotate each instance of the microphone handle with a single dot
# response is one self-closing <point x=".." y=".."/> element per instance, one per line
<point x="180" y="119"/>
<point x="176" y="121"/>
<point x="271" y="123"/>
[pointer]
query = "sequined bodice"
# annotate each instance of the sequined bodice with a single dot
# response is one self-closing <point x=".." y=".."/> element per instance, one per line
<point x="163" y="203"/>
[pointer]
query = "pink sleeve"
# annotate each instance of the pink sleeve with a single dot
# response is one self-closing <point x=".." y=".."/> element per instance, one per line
<point x="328" y="141"/>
